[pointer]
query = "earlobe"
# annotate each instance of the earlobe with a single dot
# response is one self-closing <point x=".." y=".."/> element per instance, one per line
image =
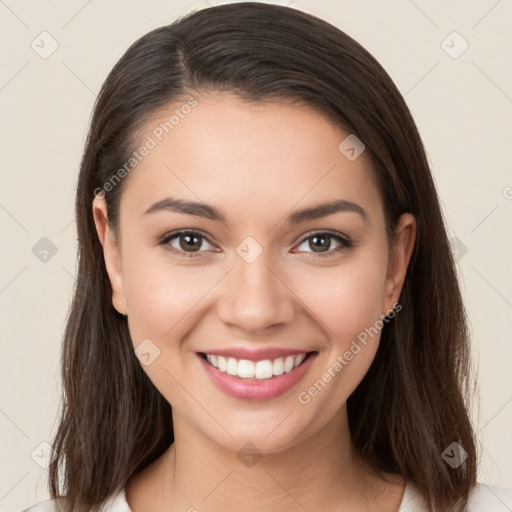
<point x="111" y="253"/>
<point x="401" y="252"/>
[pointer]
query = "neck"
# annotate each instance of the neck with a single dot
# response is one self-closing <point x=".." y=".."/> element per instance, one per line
<point x="323" y="472"/>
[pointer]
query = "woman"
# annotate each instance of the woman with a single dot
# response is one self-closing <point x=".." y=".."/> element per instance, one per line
<point x="255" y="202"/>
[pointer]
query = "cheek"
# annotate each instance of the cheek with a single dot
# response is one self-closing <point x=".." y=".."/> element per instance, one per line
<point x="163" y="301"/>
<point x="347" y="303"/>
<point x="345" y="299"/>
<point x="161" y="296"/>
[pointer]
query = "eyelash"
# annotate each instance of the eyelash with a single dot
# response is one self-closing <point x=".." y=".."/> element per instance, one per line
<point x="345" y="243"/>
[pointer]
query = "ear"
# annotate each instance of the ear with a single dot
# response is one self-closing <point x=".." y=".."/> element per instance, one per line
<point x="111" y="253"/>
<point x="400" y="255"/>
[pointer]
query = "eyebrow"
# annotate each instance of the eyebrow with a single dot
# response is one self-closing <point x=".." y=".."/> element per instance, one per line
<point x="209" y="212"/>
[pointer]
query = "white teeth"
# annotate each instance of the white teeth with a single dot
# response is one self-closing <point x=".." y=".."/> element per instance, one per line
<point x="232" y="367"/>
<point x="299" y="360"/>
<point x="278" y="367"/>
<point x="223" y="364"/>
<point x="288" y="364"/>
<point x="262" y="370"/>
<point x="245" y="369"/>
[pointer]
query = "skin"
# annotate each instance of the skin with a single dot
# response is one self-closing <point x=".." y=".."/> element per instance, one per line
<point x="256" y="163"/>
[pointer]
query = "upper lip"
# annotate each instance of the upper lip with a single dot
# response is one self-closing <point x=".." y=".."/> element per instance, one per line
<point x="256" y="354"/>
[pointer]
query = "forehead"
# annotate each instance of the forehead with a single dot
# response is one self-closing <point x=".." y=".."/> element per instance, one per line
<point x="255" y="157"/>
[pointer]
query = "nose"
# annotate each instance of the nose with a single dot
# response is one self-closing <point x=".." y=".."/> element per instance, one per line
<point x="255" y="297"/>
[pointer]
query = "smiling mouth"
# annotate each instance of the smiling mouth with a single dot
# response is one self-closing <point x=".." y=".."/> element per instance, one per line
<point x="265" y="369"/>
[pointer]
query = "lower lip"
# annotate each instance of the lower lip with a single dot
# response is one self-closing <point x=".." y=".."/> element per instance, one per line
<point x="252" y="389"/>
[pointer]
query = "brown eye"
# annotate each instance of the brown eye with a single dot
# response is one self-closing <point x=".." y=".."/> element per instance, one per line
<point x="190" y="242"/>
<point x="185" y="242"/>
<point x="321" y="243"/>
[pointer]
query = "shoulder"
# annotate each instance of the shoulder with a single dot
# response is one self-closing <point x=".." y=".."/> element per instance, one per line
<point x="483" y="498"/>
<point x="116" y="503"/>
<point x="46" y="506"/>
<point x="487" y="497"/>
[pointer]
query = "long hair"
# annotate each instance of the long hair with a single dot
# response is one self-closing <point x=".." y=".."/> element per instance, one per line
<point x="414" y="400"/>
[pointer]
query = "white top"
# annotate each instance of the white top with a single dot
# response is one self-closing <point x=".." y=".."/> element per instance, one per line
<point x="484" y="498"/>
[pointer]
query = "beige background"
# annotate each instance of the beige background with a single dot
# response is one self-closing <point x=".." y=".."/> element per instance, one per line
<point x="463" y="107"/>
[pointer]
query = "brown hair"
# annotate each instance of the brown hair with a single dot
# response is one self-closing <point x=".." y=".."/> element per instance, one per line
<point x="413" y="402"/>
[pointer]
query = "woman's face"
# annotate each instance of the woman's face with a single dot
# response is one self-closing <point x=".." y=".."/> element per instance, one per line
<point x="259" y="279"/>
